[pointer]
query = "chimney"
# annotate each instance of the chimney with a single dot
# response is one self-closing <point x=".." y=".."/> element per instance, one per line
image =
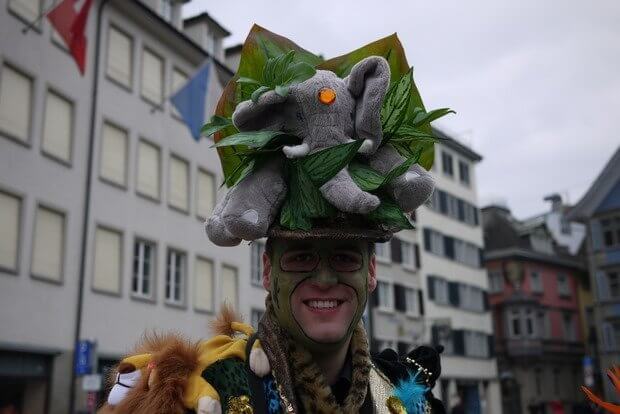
<point x="556" y="202"/>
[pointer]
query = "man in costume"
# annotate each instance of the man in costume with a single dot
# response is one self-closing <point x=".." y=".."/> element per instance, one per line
<point x="324" y="158"/>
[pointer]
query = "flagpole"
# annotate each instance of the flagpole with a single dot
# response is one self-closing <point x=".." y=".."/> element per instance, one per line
<point x="36" y="21"/>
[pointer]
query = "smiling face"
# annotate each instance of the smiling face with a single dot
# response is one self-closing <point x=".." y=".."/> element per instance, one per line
<point x="319" y="288"/>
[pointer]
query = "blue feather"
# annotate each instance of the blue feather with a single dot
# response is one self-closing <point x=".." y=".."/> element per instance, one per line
<point x="411" y="392"/>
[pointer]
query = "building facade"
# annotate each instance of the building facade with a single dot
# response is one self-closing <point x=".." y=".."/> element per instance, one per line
<point x="599" y="210"/>
<point x="147" y="262"/>
<point x="454" y="282"/>
<point x="534" y="295"/>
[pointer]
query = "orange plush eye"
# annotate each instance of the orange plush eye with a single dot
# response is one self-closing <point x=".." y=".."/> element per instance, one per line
<point x="327" y="96"/>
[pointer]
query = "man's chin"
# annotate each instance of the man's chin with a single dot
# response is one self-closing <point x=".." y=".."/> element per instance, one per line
<point x="327" y="337"/>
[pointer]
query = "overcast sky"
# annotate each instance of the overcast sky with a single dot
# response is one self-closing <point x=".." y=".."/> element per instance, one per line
<point x="535" y="83"/>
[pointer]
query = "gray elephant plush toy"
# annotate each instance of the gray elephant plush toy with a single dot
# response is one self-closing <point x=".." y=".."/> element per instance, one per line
<point x="322" y="111"/>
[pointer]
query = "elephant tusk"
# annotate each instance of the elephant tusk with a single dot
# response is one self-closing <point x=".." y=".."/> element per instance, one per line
<point x="368" y="147"/>
<point x="296" y="151"/>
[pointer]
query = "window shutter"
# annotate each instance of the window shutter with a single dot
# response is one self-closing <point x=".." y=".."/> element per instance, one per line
<point x="152" y="76"/>
<point x="435" y="335"/>
<point x="480" y="257"/>
<point x="458" y="340"/>
<point x="476" y="216"/>
<point x="396" y="247"/>
<point x="443" y="202"/>
<point x="10" y="219"/>
<point x="113" y="154"/>
<point x="453" y="294"/>
<point x="448" y="245"/>
<point x="374" y="298"/>
<point x="107" y="261"/>
<point x="421" y="302"/>
<point x="203" y="284"/>
<point x="178" y="182"/>
<point x="418" y="262"/>
<point x="119" y="65"/>
<point x="148" y="170"/>
<point x="15" y="103"/>
<point x="491" y="340"/>
<point x="597" y="234"/>
<point x="28" y="9"/>
<point x="485" y="300"/>
<point x="460" y="205"/>
<point x="48" y="244"/>
<point x="57" y="126"/>
<point x="427" y="240"/>
<point x="400" y="301"/>
<point x="430" y="281"/>
<point x="206" y="194"/>
<point x="229" y="286"/>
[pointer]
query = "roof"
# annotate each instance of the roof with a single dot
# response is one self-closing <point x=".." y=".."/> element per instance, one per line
<point x="527" y="254"/>
<point x="205" y="17"/>
<point x="598" y="191"/>
<point x="457" y="146"/>
<point x="233" y="49"/>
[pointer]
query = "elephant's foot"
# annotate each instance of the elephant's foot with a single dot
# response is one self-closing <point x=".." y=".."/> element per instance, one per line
<point x="219" y="234"/>
<point x="248" y="225"/>
<point x="412" y="189"/>
<point x="342" y="192"/>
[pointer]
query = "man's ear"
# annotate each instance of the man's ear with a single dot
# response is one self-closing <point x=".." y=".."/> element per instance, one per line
<point x="267" y="271"/>
<point x="372" y="273"/>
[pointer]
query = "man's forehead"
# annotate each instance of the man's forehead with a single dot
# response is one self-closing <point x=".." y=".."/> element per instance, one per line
<point x="321" y="244"/>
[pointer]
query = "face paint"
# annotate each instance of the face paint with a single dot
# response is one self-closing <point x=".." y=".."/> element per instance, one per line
<point x="289" y="288"/>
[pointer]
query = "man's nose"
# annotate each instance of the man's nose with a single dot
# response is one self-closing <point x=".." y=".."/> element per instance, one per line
<point x="325" y="276"/>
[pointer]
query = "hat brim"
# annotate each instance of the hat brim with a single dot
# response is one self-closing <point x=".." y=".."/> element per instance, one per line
<point x="318" y="233"/>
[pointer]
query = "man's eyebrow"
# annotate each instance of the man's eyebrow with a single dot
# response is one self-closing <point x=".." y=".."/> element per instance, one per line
<point x="300" y="246"/>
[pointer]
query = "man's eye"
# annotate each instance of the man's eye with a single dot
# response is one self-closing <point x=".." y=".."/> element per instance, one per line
<point x="303" y="258"/>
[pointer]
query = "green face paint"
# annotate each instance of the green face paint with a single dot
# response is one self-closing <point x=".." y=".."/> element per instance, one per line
<point x="284" y="283"/>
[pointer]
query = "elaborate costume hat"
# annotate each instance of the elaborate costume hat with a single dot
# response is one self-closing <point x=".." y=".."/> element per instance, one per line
<point x="314" y="148"/>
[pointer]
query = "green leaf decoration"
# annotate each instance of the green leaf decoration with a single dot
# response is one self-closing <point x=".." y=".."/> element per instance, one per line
<point x="259" y="46"/>
<point x="422" y="117"/>
<point x="392" y="50"/>
<point x="402" y="168"/>
<point x="297" y="72"/>
<point x="390" y="215"/>
<point x="396" y="105"/>
<point x="245" y="167"/>
<point x="258" y="92"/>
<point x="365" y="177"/>
<point x="249" y="81"/>
<point x="410" y="132"/>
<point x="252" y="139"/>
<point x="324" y="164"/>
<point x="216" y="124"/>
<point x="282" y="90"/>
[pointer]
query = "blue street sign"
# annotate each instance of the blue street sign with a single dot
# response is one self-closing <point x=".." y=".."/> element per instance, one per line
<point x="84" y="357"/>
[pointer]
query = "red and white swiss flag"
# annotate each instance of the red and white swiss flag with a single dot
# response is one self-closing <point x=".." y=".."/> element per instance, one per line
<point x="70" y="23"/>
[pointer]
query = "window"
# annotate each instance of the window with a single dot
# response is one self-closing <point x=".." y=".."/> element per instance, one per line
<point x="441" y="291"/>
<point x="514" y="323"/>
<point x="529" y="322"/>
<point x="178" y="181"/>
<point x="113" y="164"/>
<point x="464" y="172"/>
<point x="107" y="263"/>
<point x="152" y="77"/>
<point x="563" y="285"/>
<point x="385" y="295"/>
<point x="230" y="286"/>
<point x="496" y="281"/>
<point x="143" y="269"/>
<point x="383" y="252"/>
<point x="255" y="317"/>
<point x="258" y="248"/>
<point x="610" y="228"/>
<point x="175" y="277"/>
<point x="411" y="301"/>
<point x="10" y="219"/>
<point x="29" y="10"/>
<point x="536" y="282"/>
<point x="613" y="283"/>
<point x="148" y="180"/>
<point x="120" y="57"/>
<point x="15" y="103"/>
<point x="476" y="344"/>
<point x="57" y="127"/>
<point x="437" y="244"/>
<point x="446" y="162"/>
<point x="568" y="323"/>
<point x="542" y="324"/>
<point x="408" y="254"/>
<point x="48" y="245"/>
<point x="203" y="285"/>
<point x="471" y="298"/>
<point x="179" y="79"/>
<point x="205" y="194"/>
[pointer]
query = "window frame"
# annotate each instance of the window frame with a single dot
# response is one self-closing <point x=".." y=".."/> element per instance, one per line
<point x="412" y="311"/>
<point x="257" y="249"/>
<point x="173" y="111"/>
<point x="213" y="278"/>
<point x="68" y="162"/>
<point x="187" y="162"/>
<point x="412" y="265"/>
<point x="103" y="178"/>
<point x="464" y="166"/>
<point x="387" y="256"/>
<point x="63" y="256"/>
<point x="143" y="140"/>
<point x="538" y="287"/>
<point x="21" y="198"/>
<point x="27" y="142"/>
<point x="182" y="301"/>
<point x="37" y="27"/>
<point x="564" y="289"/>
<point x="389" y="307"/>
<point x="202" y="170"/>
<point x="445" y="155"/>
<point x="132" y="44"/>
<point x="151" y="297"/>
<point x="150" y="50"/>
<point x="221" y="287"/>
<point x="121" y="259"/>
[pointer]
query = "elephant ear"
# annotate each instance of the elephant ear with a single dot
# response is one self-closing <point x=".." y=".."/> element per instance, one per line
<point x="368" y="82"/>
<point x="269" y="112"/>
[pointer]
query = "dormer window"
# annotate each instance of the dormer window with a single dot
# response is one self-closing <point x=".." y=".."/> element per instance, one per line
<point x="165" y="9"/>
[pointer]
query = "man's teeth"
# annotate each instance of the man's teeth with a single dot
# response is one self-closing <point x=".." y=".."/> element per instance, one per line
<point x="323" y="304"/>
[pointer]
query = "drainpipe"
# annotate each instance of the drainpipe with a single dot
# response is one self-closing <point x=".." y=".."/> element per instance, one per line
<point x="86" y="216"/>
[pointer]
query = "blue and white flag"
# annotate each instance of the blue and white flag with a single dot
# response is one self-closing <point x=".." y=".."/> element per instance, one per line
<point x="190" y="99"/>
